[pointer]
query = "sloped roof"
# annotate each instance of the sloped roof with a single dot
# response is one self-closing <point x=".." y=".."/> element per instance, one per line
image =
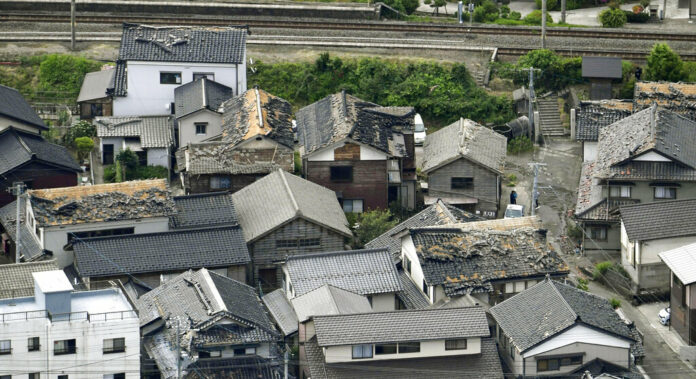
<point x="465" y="139"/>
<point x="364" y="272"/>
<point x="154" y="131"/>
<point x="601" y="67"/>
<point x="95" y="84"/>
<point x="16" y="279"/>
<point x="342" y="116"/>
<point x="31" y="249"/>
<point x="257" y="113"/>
<point x="682" y="262"/>
<point x="594" y="115"/>
<point x="282" y="311"/>
<point x="200" y="94"/>
<point x="204" y="210"/>
<point x="279" y="198"/>
<point x="19" y="147"/>
<point x="412" y="296"/>
<point x="549" y="308"/>
<point x="329" y="300"/>
<point x="119" y="85"/>
<point x="238" y="367"/>
<point x="218" y="157"/>
<point x="676" y="97"/>
<point x="659" y="219"/>
<point x="13" y="106"/>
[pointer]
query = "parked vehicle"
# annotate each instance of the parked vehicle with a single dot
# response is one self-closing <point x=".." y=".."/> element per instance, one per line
<point x="664" y="315"/>
<point x="514" y="211"/>
<point x="419" y="134"/>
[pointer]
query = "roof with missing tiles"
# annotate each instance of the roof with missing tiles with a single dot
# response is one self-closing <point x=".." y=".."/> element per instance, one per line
<point x="677" y="97"/>
<point x="257" y="113"/>
<point x="595" y="115"/>
<point x="31" y="248"/>
<point x="224" y="158"/>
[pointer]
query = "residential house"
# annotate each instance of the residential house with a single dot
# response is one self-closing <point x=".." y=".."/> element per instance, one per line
<point x="215" y="321"/>
<point x="464" y="163"/>
<point x="437" y="343"/>
<point x="648" y="156"/>
<point x="151" y="138"/>
<point x="487" y="260"/>
<point x="93" y="101"/>
<point x="552" y="329"/>
<point x="591" y="116"/>
<point x="16" y="112"/>
<point x="56" y="327"/>
<point x="371" y="273"/>
<point x="30" y="249"/>
<point x="283" y="215"/>
<point x="152" y="61"/>
<point x="601" y="71"/>
<point x="203" y="210"/>
<point x="30" y="159"/>
<point x="649" y="229"/>
<point x="675" y="97"/>
<point x="16" y="280"/>
<point x="57" y="216"/>
<point x="198" y="109"/>
<point x="682" y="299"/>
<point x="256" y="139"/>
<point x="363" y="151"/>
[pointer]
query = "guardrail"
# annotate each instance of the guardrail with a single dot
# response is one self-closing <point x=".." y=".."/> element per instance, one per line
<point x="71" y="316"/>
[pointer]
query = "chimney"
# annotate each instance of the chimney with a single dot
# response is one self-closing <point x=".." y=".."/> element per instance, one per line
<point x="52" y="291"/>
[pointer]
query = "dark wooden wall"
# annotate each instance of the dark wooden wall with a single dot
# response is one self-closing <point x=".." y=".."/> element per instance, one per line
<point x="485" y="186"/>
<point x="369" y="180"/>
<point x="41" y="176"/>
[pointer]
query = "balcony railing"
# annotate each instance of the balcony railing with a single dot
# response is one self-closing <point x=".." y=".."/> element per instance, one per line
<point x="65" y="350"/>
<point x="72" y="316"/>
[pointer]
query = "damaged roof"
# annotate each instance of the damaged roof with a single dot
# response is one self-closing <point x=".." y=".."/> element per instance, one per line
<point x="676" y="97"/>
<point x="16" y="280"/>
<point x="342" y="116"/>
<point x="31" y="248"/>
<point x="101" y="202"/>
<point x="224" y="158"/>
<point x="594" y="115"/>
<point x="19" y="147"/>
<point x="95" y="85"/>
<point x="16" y="108"/>
<point x="465" y="139"/>
<point x="659" y="219"/>
<point x="200" y="94"/>
<point x="153" y="131"/>
<point x="550" y="307"/>
<point x="469" y="258"/>
<point x="204" y="210"/>
<point x="282" y="311"/>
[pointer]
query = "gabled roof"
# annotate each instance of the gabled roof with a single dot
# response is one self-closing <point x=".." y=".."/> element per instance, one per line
<point x="217" y="157"/>
<point x="365" y="272"/>
<point x="465" y="139"/>
<point x="439" y="213"/>
<point x="601" y="369"/>
<point x="19" y="147"/>
<point x="257" y="113"/>
<point x="550" y="307"/>
<point x="204" y="210"/>
<point x="200" y="94"/>
<point x="16" y="280"/>
<point x="279" y="198"/>
<point x="329" y="300"/>
<point x="342" y="116"/>
<point x="95" y="84"/>
<point x="119" y="85"/>
<point x="676" y="97"/>
<point x="282" y="311"/>
<point x="161" y="252"/>
<point x="659" y="219"/>
<point x="154" y="131"/>
<point x="14" y="107"/>
<point x="601" y="67"/>
<point x="400" y="326"/>
<point x="595" y="115"/>
<point x="682" y="262"/>
<point x="31" y="249"/>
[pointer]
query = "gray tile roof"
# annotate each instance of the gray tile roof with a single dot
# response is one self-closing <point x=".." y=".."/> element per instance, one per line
<point x="204" y="210"/>
<point x="95" y="84"/>
<point x="439" y="213"/>
<point x="476" y="366"/>
<point x="601" y="67"/>
<point x="365" y="272"/>
<point x="400" y="326"/>
<point x="465" y="139"/>
<point x="282" y="311"/>
<point x="280" y="197"/>
<point x="329" y="300"/>
<point x="412" y="296"/>
<point x="659" y="219"/>
<point x="154" y="131"/>
<point x="224" y="158"/>
<point x="594" y="115"/>
<point x="601" y="369"/>
<point x="19" y="147"/>
<point x="161" y="252"/>
<point x="240" y="367"/>
<point x="14" y="107"/>
<point x="341" y="116"/>
<point x="16" y="279"/>
<point x="682" y="262"/>
<point x="200" y="94"/>
<point x="549" y="308"/>
<point x="31" y="249"/>
<point x="676" y="97"/>
<point x="118" y="86"/>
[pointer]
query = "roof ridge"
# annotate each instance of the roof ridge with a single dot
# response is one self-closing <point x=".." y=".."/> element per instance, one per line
<point x="337" y="252"/>
<point x="24" y="144"/>
<point x="446" y="210"/>
<point x="657" y="202"/>
<point x="424" y="310"/>
<point x="298" y="212"/>
<point x="167" y="232"/>
<point x="553" y="285"/>
<point x="213" y="289"/>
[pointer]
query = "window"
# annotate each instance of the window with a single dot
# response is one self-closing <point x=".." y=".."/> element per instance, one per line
<point x="250" y="351"/>
<point x="245" y="351"/>
<point x="665" y="193"/>
<point x="220" y="182"/>
<point x="64" y="347"/>
<point x="241" y="351"/>
<point x="114" y="345"/>
<point x="210" y="354"/>
<point x="170" y="78"/>
<point x="425" y="287"/>
<point x="399" y="304"/>
<point x="620" y="191"/>
<point x="342" y="174"/>
<point x="35" y="375"/>
<point x="33" y="344"/>
<point x="62" y="377"/>
<point x="554" y="364"/>
<point x="309" y="242"/>
<point x="407" y="264"/>
<point x="200" y="75"/>
<point x="458" y="344"/>
<point x="409" y="347"/>
<point x="284" y="244"/>
<point x="5" y="376"/>
<point x="598" y="233"/>
<point x="362" y="351"/>
<point x="462" y="183"/>
<point x="5" y="347"/>
<point x="201" y="128"/>
<point x="100" y="233"/>
<point x="512" y="352"/>
<point x="385" y="349"/>
<point x="115" y="376"/>
<point x="352" y="206"/>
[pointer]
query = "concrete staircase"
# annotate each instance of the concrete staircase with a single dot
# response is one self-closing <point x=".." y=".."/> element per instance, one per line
<point x="550" y="116"/>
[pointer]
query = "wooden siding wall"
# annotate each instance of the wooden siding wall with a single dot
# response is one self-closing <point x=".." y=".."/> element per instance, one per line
<point x="40" y="175"/>
<point x="485" y="183"/>
<point x="369" y="180"/>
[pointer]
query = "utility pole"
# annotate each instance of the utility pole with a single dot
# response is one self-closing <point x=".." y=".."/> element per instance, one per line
<point x="178" y="351"/>
<point x="535" y="186"/>
<point x="543" y="24"/>
<point x="72" y="24"/>
<point x="460" y="8"/>
<point x="285" y="356"/>
<point x="563" y="11"/>
<point x="531" y="100"/>
<point x="17" y="190"/>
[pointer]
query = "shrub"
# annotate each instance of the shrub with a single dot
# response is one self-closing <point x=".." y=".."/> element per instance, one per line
<point x="690" y="71"/>
<point x="62" y="74"/>
<point x="427" y="2"/>
<point x="297" y="160"/>
<point x="613" y="5"/>
<point x="370" y="225"/>
<point x="127" y="158"/>
<point x="81" y="129"/>
<point x="514" y="15"/>
<point x="534" y="18"/>
<point x="521" y="144"/>
<point x="664" y="64"/>
<point x="84" y="145"/>
<point x="627" y="89"/>
<point x="636" y="17"/>
<point x="553" y="75"/>
<point x="601" y="268"/>
<point x="410" y="5"/>
<point x="550" y="4"/>
<point x="583" y="284"/>
<point x="504" y="11"/>
<point x="612" y="18"/>
<point x="645" y="3"/>
<point x="110" y="174"/>
<point x="147" y="172"/>
<point x="615" y="303"/>
<point x="511" y="180"/>
<point x="574" y="232"/>
<point x="487" y="11"/>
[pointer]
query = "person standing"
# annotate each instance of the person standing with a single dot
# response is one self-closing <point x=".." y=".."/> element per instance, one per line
<point x="513" y="197"/>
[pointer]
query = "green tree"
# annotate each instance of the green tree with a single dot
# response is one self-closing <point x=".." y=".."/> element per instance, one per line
<point x="371" y="225"/>
<point x="534" y="18"/>
<point x="550" y="64"/>
<point x="437" y="4"/>
<point x="550" y="4"/>
<point x="84" y="145"/>
<point x="81" y="129"/>
<point x="612" y="18"/>
<point x="62" y="74"/>
<point x="410" y="5"/>
<point x="487" y="11"/>
<point x="126" y="160"/>
<point x="664" y="64"/>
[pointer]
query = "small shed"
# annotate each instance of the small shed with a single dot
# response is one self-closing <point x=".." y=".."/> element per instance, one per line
<point x="601" y="71"/>
<point x="93" y="100"/>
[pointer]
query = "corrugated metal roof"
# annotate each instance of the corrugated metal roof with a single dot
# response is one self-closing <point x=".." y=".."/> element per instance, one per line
<point x="601" y="67"/>
<point x="282" y="311"/>
<point x="329" y="300"/>
<point x="682" y="262"/>
<point x="95" y="85"/>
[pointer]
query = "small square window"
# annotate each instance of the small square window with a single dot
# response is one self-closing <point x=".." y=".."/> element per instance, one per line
<point x="665" y="193"/>
<point x="200" y="75"/>
<point x="5" y="347"/>
<point x="220" y="182"/>
<point x="598" y="233"/>
<point x="35" y="375"/>
<point x="341" y="174"/>
<point x="114" y="345"/>
<point x="362" y="351"/>
<point x="407" y="264"/>
<point x="620" y="191"/>
<point x="201" y="128"/>
<point x="64" y="347"/>
<point x="462" y="183"/>
<point x="383" y="349"/>
<point x="33" y="344"/>
<point x="352" y="206"/>
<point x="409" y="347"/>
<point x="458" y="344"/>
<point x="170" y="78"/>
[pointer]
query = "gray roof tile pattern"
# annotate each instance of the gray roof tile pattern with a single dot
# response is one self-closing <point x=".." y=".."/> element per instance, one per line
<point x="200" y="94"/>
<point x="676" y="97"/>
<point x="282" y="311"/>
<point x="16" y="279"/>
<point x="329" y="300"/>
<point x="549" y="308"/>
<point x="465" y="139"/>
<point x="479" y="366"/>
<point x="341" y="116"/>
<point x="154" y="131"/>
<point x="590" y="204"/>
<point x="224" y="158"/>
<point x="364" y="272"/>
<point x="241" y="120"/>
<point x="241" y="300"/>
<point x="95" y="85"/>
<point x="594" y="115"/>
<point x="660" y="219"/>
<point x="400" y="326"/>
<point x="412" y="296"/>
<point x="31" y="249"/>
<point x="598" y="366"/>
<point x="241" y="367"/>
<point x="601" y="67"/>
<point x="19" y="147"/>
<point x="204" y="210"/>
<point x="439" y="213"/>
<point x="161" y="252"/>
<point x="14" y="107"/>
<point x="280" y="197"/>
<point x="118" y="86"/>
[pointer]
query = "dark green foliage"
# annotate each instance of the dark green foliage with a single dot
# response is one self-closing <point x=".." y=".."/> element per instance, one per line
<point x="627" y="89"/>
<point x="574" y="232"/>
<point x="134" y="173"/>
<point x="127" y="158"/>
<point x="521" y="144"/>
<point x="504" y="11"/>
<point x="601" y="268"/>
<point x="64" y="73"/>
<point x="615" y="303"/>
<point x="664" y="64"/>
<point x="690" y="71"/>
<point x="534" y="18"/>
<point x="612" y="18"/>
<point x="81" y="129"/>
<point x="370" y="225"/>
<point x="84" y="145"/>
<point x="551" y="5"/>
<point x="553" y="75"/>
<point x="637" y="17"/>
<point x="297" y="160"/>
<point x="583" y="284"/>
<point x="645" y="3"/>
<point x="437" y="4"/>
<point x="487" y="11"/>
<point x="514" y="15"/>
<point x="410" y="5"/>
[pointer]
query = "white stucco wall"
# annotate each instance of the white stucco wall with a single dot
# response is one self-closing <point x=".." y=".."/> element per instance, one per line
<point x="187" y="129"/>
<point x="589" y="150"/>
<point x="435" y="348"/>
<point x="158" y="157"/>
<point x="649" y="250"/>
<point x="383" y="302"/>
<point x="409" y="250"/>
<point x="651" y="156"/>
<point x="367" y="153"/>
<point x="6" y="122"/>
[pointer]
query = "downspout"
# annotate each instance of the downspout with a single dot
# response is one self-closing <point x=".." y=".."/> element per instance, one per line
<point x="236" y="77"/>
<point x="524" y="367"/>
